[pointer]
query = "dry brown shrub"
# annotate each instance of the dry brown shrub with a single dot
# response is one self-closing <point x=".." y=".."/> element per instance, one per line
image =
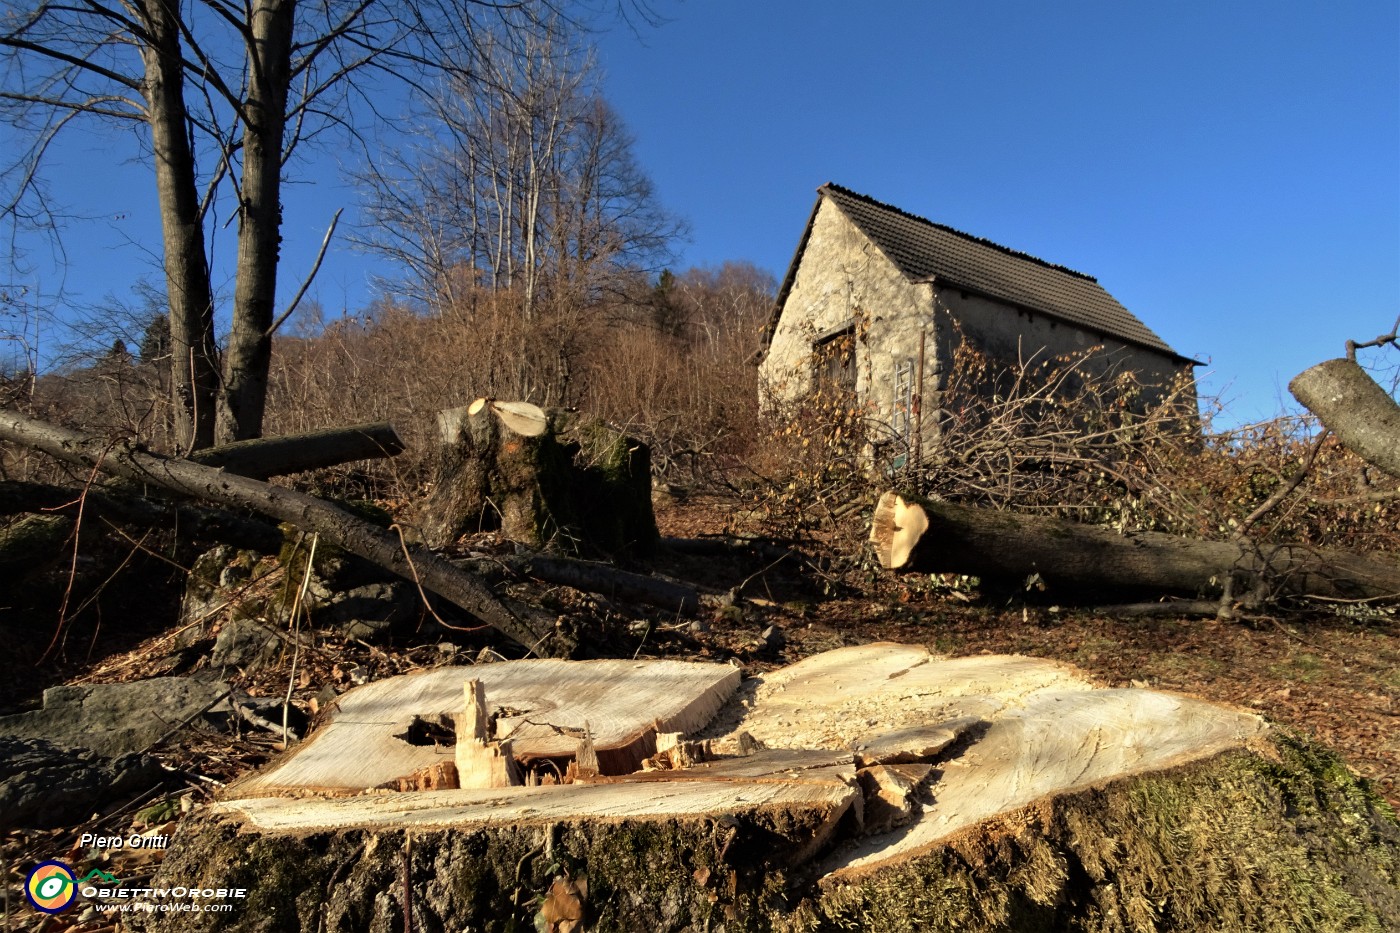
<point x="1071" y="438"/>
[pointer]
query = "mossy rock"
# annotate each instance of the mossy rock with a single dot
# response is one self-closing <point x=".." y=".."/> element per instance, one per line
<point x="335" y="568"/>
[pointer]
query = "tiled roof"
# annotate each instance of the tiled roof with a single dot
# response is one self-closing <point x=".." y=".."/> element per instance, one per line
<point x="921" y="248"/>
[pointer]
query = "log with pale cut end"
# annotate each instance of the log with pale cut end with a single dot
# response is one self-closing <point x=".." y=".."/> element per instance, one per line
<point x="1352" y="406"/>
<point x="1042" y="801"/>
<point x="895" y="529"/>
<point x="526" y="625"/>
<point x="1086" y="559"/>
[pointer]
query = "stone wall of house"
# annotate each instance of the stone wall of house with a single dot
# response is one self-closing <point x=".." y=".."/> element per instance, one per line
<point x="844" y="279"/>
<point x="1004" y="332"/>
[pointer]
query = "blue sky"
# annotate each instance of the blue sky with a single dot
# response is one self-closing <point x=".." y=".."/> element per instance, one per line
<point x="1229" y="171"/>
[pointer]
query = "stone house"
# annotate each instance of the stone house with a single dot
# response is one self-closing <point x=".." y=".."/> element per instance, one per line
<point x="872" y="291"/>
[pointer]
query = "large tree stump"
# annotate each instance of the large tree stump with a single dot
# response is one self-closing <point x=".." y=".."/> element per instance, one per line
<point x="546" y="480"/>
<point x="872" y="788"/>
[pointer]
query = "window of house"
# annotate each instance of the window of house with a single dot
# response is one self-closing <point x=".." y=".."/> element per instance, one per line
<point x="834" y="354"/>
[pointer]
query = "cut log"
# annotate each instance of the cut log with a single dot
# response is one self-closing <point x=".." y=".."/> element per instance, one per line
<point x="558" y="481"/>
<point x="913" y="533"/>
<point x="593" y="577"/>
<point x="1352" y="406"/>
<point x="263" y="457"/>
<point x="1055" y="805"/>
<point x="530" y="628"/>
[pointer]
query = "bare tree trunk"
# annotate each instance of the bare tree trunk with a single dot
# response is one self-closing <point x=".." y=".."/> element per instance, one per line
<point x="193" y="355"/>
<point x="260" y="221"/>
<point x="1352" y="406"/>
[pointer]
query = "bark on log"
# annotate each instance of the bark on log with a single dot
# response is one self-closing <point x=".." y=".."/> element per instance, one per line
<point x="1352" y="406"/>
<point x="530" y="628"/>
<point x="311" y="450"/>
<point x="1048" y="804"/>
<point x="570" y="484"/>
<point x="912" y="533"/>
<point x="124" y="506"/>
<point x="593" y="577"/>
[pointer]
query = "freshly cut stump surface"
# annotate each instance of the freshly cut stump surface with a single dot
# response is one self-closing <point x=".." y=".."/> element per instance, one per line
<point x="872" y="787"/>
<point x="543" y="706"/>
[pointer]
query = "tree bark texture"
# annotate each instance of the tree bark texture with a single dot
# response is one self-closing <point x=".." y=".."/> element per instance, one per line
<point x="193" y="354"/>
<point x="311" y="450"/>
<point x="1086" y="559"/>
<point x="577" y="487"/>
<point x="532" y="629"/>
<point x="594" y="577"/>
<point x="269" y="40"/>
<point x="1352" y="406"/>
<point x="32" y="542"/>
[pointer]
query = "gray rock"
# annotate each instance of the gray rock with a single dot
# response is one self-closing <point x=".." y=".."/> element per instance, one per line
<point x="368" y="611"/>
<point x="43" y="785"/>
<point x="114" y="719"/>
<point x="245" y="644"/>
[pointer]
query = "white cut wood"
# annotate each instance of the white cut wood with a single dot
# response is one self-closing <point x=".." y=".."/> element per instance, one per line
<point x="895" y="527"/>
<point x="1044" y="729"/>
<point x="1057" y="742"/>
<point x="543" y="706"/>
<point x="912" y="744"/>
<point x="481" y="761"/>
<point x="521" y="417"/>
<point x="890" y="794"/>
<point x="996" y="733"/>
<point x="843" y="698"/>
<point x="538" y="805"/>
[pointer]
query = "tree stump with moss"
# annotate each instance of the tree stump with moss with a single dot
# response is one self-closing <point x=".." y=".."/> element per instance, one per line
<point x="544" y="479"/>
<point x="872" y="788"/>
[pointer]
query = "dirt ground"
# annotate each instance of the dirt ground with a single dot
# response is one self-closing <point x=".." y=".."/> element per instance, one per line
<point x="1329" y="674"/>
<point x="1332" y="675"/>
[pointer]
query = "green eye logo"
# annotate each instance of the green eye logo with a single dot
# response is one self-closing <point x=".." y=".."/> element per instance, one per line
<point x="51" y="887"/>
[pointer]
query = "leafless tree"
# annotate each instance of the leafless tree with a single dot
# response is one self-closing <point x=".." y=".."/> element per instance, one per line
<point x="529" y="183"/>
<point x="223" y="96"/>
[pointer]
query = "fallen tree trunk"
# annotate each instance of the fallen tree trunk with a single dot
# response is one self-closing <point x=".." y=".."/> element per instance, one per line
<point x="913" y="533"/>
<point x="890" y="790"/>
<point x="262" y="457"/>
<point x="593" y="577"/>
<point x="530" y="628"/>
<point x="126" y="507"/>
<point x="1352" y="406"/>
